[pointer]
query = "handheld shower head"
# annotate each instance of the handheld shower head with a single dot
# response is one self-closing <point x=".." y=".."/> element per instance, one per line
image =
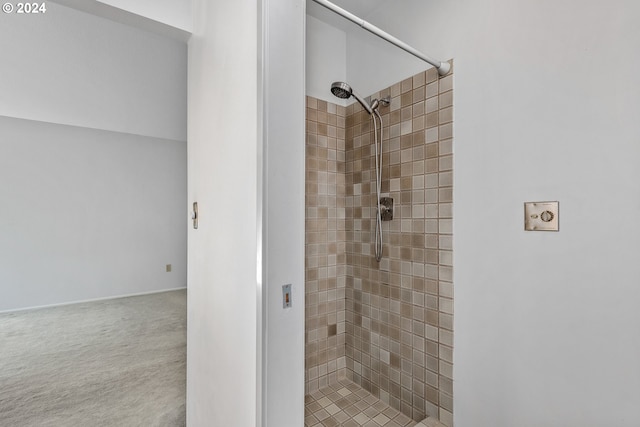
<point x="344" y="91"/>
<point x="341" y="90"/>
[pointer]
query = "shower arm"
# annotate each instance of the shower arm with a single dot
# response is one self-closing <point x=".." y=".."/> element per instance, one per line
<point x="442" y="67"/>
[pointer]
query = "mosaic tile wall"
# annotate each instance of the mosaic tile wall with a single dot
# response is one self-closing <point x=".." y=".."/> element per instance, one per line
<point x="390" y="324"/>
<point x="325" y="236"/>
<point x="400" y="311"/>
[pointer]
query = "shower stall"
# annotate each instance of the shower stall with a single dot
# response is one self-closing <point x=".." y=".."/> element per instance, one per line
<point x="382" y="328"/>
<point x="379" y="250"/>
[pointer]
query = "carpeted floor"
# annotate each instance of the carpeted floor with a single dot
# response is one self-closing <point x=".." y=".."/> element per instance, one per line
<point x="118" y="362"/>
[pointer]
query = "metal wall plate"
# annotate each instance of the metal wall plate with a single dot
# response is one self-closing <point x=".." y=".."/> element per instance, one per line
<point x="541" y="216"/>
<point x="194" y="215"/>
<point x="286" y="296"/>
<point x="386" y="208"/>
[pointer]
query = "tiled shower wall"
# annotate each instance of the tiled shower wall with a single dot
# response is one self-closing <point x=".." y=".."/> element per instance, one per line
<point x="394" y="319"/>
<point x="400" y="311"/>
<point x="325" y="236"/>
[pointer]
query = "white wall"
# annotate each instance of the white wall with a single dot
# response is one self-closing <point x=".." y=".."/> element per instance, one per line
<point x="73" y="68"/>
<point x="540" y="315"/>
<point x="176" y="13"/>
<point x="222" y="334"/>
<point x="284" y="211"/>
<point x="326" y="62"/>
<point x="166" y="20"/>
<point x="245" y="362"/>
<point x="425" y="25"/>
<point x="546" y="101"/>
<point x="88" y="214"/>
<point x="92" y="143"/>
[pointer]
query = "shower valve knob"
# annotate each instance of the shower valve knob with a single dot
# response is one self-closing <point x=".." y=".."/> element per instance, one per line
<point x="541" y="216"/>
<point x="386" y="208"/>
<point x="546" y="216"/>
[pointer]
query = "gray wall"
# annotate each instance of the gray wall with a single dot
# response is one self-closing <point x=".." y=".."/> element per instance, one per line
<point x="92" y="159"/>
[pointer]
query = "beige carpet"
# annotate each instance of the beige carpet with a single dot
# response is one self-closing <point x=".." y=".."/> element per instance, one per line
<point x="119" y="362"/>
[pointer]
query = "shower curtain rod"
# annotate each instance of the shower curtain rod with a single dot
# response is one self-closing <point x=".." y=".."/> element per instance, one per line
<point x="442" y="67"/>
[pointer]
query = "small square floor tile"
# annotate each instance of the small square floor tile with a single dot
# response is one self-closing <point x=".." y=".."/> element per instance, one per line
<point x="345" y="404"/>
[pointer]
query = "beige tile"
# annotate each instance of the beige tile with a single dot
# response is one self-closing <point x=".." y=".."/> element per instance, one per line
<point x="446" y="99"/>
<point x="419" y="94"/>
<point x="432" y="120"/>
<point x="446" y="83"/>
<point x="419" y="79"/>
<point x="445" y="131"/>
<point x="432" y="104"/>
<point x="445" y="115"/>
<point x="407" y="85"/>
<point x="432" y="89"/>
<point x="387" y="314"/>
<point x="431" y="135"/>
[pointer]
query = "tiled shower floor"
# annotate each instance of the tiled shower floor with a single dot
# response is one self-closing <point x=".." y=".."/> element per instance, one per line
<point x="346" y="404"/>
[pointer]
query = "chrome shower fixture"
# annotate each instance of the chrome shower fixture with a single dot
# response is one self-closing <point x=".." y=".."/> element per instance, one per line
<point x="344" y="91"/>
<point x="384" y="206"/>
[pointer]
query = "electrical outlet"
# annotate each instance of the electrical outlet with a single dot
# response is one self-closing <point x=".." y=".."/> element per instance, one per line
<point x="168" y="268"/>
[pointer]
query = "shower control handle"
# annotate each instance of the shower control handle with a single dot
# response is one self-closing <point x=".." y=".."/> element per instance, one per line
<point x="386" y="208"/>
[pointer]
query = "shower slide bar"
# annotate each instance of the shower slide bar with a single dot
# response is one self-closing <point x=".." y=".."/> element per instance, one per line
<point x="442" y="67"/>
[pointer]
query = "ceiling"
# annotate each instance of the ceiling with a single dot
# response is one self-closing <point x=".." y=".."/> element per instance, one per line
<point x="360" y="8"/>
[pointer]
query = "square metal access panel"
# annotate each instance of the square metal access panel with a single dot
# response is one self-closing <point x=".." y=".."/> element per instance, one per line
<point x="541" y="216"/>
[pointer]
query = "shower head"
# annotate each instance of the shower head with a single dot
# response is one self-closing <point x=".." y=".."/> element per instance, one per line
<point x="341" y="90"/>
<point x="344" y="91"/>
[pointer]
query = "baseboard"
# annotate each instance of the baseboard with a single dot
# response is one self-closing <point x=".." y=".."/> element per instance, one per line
<point x="92" y="300"/>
